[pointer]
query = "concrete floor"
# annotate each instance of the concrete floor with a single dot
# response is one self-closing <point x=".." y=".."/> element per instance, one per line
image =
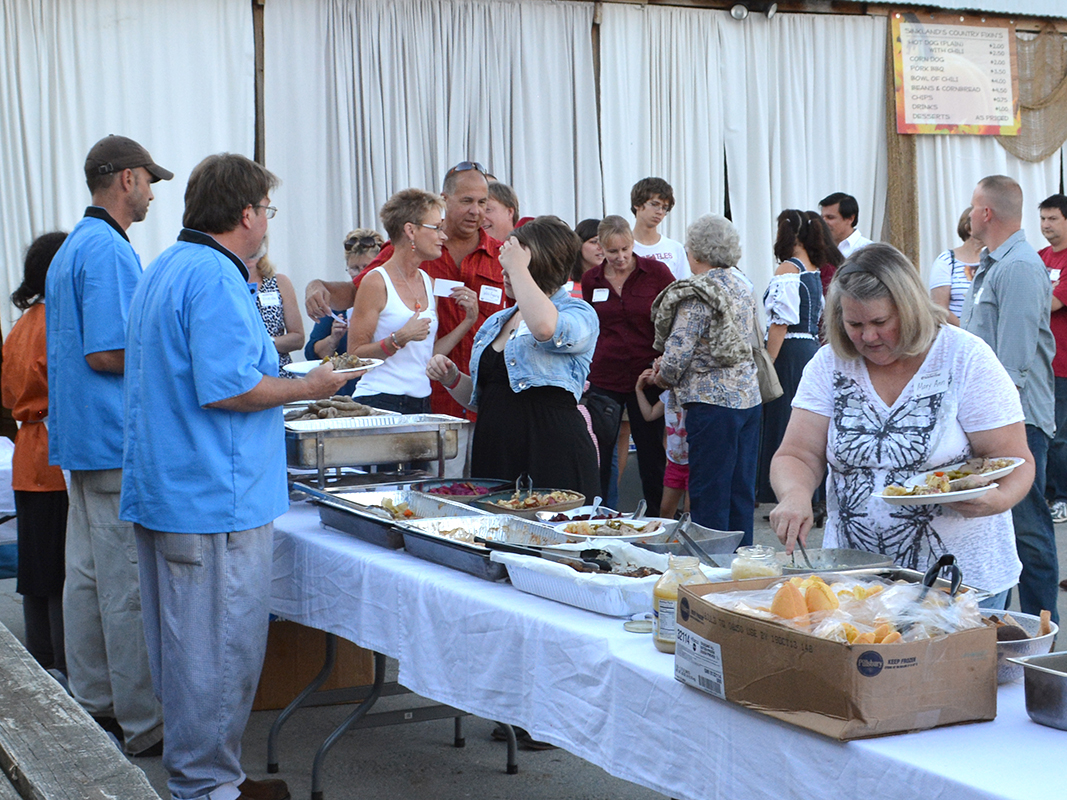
<point x="418" y="760"/>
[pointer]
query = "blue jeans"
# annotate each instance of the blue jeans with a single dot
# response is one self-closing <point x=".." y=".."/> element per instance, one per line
<point x="1035" y="537"/>
<point x="206" y="605"/>
<point x="723" y="456"/>
<point x="1056" y="473"/>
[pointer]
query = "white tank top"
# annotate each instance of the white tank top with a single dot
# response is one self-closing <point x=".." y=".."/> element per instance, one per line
<point x="404" y="372"/>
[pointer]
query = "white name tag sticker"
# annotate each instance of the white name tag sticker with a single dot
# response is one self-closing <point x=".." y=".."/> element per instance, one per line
<point x="1054" y="275"/>
<point x="491" y="294"/>
<point x="269" y="299"/>
<point x="932" y="383"/>
<point x="442" y="287"/>
<point x="600" y="295"/>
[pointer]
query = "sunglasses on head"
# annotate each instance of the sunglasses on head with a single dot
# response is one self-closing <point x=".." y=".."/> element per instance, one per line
<point x="361" y="242"/>
<point x="465" y="166"/>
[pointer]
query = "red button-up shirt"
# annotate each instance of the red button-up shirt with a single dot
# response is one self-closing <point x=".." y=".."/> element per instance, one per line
<point x="624" y="348"/>
<point x="480" y="268"/>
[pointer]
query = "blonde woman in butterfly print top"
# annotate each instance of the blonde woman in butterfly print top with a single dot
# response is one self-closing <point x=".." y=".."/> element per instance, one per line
<point x="899" y="392"/>
<point x="276" y="301"/>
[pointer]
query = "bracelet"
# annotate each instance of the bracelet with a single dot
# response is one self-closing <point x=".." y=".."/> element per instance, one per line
<point x="455" y="383"/>
<point x="396" y="344"/>
<point x="385" y="350"/>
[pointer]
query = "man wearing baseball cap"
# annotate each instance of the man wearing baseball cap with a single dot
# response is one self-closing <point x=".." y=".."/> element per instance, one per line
<point x="89" y="287"/>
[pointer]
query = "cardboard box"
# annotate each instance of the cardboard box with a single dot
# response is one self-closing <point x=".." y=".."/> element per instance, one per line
<point x="295" y="655"/>
<point x="840" y="690"/>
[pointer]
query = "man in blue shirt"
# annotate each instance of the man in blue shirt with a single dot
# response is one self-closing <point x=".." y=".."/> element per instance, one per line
<point x="89" y="286"/>
<point x="204" y="474"/>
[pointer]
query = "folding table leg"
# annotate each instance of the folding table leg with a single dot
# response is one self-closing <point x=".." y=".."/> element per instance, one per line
<point x="360" y="711"/>
<point x="289" y="710"/>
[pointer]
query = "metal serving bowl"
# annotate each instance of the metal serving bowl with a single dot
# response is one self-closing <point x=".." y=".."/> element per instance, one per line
<point x="1008" y="671"/>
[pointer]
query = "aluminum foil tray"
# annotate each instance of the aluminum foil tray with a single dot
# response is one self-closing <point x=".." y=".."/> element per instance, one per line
<point x="422" y="538"/>
<point x="397" y="422"/>
<point x="355" y="513"/>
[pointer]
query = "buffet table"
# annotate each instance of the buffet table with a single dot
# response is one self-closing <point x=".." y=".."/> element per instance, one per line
<point x="578" y="680"/>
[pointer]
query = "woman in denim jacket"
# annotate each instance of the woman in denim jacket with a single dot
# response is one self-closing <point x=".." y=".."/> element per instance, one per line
<point x="528" y="367"/>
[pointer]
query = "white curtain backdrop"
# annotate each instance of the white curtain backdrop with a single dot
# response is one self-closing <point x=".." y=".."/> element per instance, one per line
<point x="804" y="116"/>
<point x="795" y="102"/>
<point x="661" y="108"/>
<point x="176" y="77"/>
<point x="949" y="167"/>
<point x="367" y="97"/>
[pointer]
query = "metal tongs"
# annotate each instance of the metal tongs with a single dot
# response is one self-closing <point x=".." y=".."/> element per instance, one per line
<point x="682" y="529"/>
<point x="804" y="553"/>
<point x="523" y="486"/>
<point x="599" y="560"/>
<point x="947" y="561"/>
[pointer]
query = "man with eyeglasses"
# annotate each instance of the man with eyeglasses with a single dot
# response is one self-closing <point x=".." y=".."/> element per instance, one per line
<point x="89" y="286"/>
<point x="470" y="255"/>
<point x="651" y="200"/>
<point x="204" y="474"/>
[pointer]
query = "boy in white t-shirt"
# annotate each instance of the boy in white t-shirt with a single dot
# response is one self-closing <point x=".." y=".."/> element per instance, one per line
<point x="651" y="200"/>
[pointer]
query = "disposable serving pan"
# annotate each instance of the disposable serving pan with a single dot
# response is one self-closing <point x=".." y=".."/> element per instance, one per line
<point x="354" y="513"/>
<point x="385" y="439"/>
<point x="612" y="595"/>
<point x="422" y="538"/>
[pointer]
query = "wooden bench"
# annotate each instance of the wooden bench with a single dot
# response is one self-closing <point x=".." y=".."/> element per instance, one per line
<point x="50" y="748"/>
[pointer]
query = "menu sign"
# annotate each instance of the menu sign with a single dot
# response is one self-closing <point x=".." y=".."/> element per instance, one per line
<point x="955" y="75"/>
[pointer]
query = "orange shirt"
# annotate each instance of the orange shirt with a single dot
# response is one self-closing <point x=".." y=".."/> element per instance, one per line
<point x="25" y="392"/>
<point x="479" y="269"/>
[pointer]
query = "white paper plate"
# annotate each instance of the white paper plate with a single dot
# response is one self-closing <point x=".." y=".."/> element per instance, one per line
<point x="935" y="499"/>
<point x="304" y="367"/>
<point x="991" y="475"/>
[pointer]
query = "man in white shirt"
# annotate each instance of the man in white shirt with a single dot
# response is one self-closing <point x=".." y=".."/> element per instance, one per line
<point x="651" y="200"/>
<point x="841" y="213"/>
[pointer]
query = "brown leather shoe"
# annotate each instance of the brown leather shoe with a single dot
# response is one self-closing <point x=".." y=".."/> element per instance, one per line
<point x="271" y="789"/>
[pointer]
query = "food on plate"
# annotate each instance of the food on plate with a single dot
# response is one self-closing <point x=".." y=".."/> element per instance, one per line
<point x="565" y="517"/>
<point x="347" y="361"/>
<point x="461" y="489"/>
<point x="613" y="527"/>
<point x="965" y="476"/>
<point x="523" y="502"/>
<point x="334" y="407"/>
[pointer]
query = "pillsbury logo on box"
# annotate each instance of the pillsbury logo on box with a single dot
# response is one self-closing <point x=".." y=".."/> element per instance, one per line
<point x="869" y="663"/>
<point x="684" y="609"/>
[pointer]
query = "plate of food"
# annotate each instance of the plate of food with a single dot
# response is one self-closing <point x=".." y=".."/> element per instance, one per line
<point x="918" y="496"/>
<point x="345" y="362"/>
<point x="527" y="503"/>
<point x="620" y="530"/>
<point x="952" y="483"/>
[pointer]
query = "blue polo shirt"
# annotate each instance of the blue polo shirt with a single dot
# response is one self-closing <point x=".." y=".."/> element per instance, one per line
<point x="89" y="286"/>
<point x="196" y="337"/>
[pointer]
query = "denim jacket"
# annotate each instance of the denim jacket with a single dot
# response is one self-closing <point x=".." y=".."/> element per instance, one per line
<point x="561" y="361"/>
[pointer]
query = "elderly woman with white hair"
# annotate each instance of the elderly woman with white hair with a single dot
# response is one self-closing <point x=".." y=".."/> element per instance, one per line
<point x="702" y="327"/>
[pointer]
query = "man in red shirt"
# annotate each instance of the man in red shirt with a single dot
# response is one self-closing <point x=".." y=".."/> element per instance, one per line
<point x="1054" y="229"/>
<point x="469" y="255"/>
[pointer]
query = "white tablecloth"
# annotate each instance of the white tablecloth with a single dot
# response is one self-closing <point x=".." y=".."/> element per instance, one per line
<point x="578" y="680"/>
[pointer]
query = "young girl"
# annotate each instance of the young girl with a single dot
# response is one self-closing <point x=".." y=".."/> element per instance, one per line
<point x="676" y="474"/>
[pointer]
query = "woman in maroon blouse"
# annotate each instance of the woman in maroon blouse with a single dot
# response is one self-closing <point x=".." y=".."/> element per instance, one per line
<point x="621" y="290"/>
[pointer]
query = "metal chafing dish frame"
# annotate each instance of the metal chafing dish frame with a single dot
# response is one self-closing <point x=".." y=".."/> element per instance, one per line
<point x="371" y="440"/>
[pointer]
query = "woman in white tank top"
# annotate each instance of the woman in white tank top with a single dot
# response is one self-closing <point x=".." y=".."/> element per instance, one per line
<point x="394" y="317"/>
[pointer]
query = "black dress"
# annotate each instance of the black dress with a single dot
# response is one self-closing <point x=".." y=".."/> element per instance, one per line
<point x="538" y="431"/>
